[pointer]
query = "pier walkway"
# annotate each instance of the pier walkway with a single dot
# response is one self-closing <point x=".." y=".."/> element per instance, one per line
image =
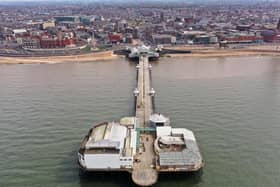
<point x="144" y="100"/>
<point x="144" y="172"/>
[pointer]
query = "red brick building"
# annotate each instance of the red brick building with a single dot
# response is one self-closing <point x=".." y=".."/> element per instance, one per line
<point x="114" y="38"/>
<point x="56" y="43"/>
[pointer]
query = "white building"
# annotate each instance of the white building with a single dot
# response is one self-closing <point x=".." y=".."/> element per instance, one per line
<point x="177" y="149"/>
<point x="157" y="120"/>
<point x="108" y="146"/>
<point x="19" y="31"/>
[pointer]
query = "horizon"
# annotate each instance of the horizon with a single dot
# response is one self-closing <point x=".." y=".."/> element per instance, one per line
<point x="142" y="1"/>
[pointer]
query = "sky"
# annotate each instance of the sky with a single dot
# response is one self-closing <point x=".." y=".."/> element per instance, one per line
<point x="129" y="0"/>
<point x="138" y="1"/>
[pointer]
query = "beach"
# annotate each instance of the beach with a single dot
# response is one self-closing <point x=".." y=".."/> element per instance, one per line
<point x="196" y="51"/>
<point x="226" y="53"/>
<point x="89" y="57"/>
<point x="214" y="51"/>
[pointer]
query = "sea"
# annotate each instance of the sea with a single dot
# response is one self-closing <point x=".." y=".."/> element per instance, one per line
<point x="231" y="103"/>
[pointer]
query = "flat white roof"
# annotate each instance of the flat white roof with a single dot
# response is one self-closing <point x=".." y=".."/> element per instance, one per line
<point x="194" y="32"/>
<point x="188" y="134"/>
<point x="107" y="135"/>
<point x="103" y="144"/>
<point x="171" y="140"/>
<point x="163" y="131"/>
<point x="118" y="133"/>
<point x="18" y="31"/>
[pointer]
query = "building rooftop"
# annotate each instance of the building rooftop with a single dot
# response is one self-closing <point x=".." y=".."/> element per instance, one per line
<point x="128" y="121"/>
<point x="19" y="31"/>
<point x="178" y="147"/>
<point x="183" y="158"/>
<point x="158" y="118"/>
<point x="107" y="135"/>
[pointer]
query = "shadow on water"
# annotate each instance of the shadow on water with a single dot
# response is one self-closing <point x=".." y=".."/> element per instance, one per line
<point x="96" y="179"/>
<point x="123" y="179"/>
<point x="69" y="170"/>
<point x="190" y="178"/>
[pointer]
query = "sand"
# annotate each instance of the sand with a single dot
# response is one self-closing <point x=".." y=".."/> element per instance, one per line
<point x="214" y="51"/>
<point x="197" y="51"/>
<point x="90" y="57"/>
<point x="226" y="53"/>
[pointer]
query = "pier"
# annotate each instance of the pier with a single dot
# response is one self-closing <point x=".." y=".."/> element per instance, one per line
<point x="143" y="109"/>
<point x="143" y="171"/>
<point x="144" y="144"/>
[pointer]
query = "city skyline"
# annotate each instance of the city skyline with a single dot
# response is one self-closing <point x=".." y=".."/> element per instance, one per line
<point x="143" y="1"/>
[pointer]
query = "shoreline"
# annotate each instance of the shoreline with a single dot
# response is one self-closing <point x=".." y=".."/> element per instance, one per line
<point x="89" y="57"/>
<point x="201" y="52"/>
<point x="225" y="53"/>
<point x="213" y="51"/>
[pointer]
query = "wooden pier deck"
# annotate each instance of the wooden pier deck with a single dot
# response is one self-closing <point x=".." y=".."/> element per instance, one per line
<point x="143" y="171"/>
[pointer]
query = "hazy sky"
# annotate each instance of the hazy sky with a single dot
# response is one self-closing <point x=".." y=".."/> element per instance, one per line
<point x="139" y="1"/>
<point x="131" y="0"/>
